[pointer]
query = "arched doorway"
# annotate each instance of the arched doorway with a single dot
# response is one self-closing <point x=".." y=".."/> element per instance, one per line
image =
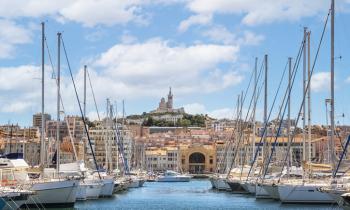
<point x="196" y="163"/>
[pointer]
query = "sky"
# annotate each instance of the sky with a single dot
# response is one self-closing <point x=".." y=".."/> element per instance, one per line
<point x="136" y="49"/>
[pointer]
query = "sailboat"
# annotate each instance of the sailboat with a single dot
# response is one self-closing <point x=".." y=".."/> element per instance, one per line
<point x="52" y="192"/>
<point x="307" y="191"/>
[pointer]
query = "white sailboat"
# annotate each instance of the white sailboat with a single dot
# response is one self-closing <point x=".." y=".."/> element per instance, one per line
<point x="172" y="176"/>
<point x="307" y="191"/>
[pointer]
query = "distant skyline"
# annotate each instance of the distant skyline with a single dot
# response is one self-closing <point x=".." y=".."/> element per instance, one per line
<point x="136" y="49"/>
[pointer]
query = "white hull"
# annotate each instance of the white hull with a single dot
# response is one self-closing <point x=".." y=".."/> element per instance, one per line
<point x="107" y="188"/>
<point x="81" y="192"/>
<point x="134" y="183"/>
<point x="222" y="184"/>
<point x="93" y="191"/>
<point x="260" y="192"/>
<point x="89" y="189"/>
<point x="249" y="187"/>
<point x="212" y="181"/>
<point x="141" y="182"/>
<point x="272" y="190"/>
<point x="15" y="201"/>
<point x="307" y="193"/>
<point x="174" y="179"/>
<point x="54" y="194"/>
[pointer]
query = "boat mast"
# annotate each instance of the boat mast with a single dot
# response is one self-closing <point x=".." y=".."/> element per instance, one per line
<point x="254" y="108"/>
<point x="309" y="98"/>
<point x="85" y="91"/>
<point x="289" y="122"/>
<point x="105" y="133"/>
<point x="264" y="149"/>
<point x="42" y="135"/>
<point x="332" y="87"/>
<point x="304" y="104"/>
<point x="58" y="102"/>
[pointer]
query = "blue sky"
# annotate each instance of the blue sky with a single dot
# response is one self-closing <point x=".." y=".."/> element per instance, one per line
<point x="136" y="49"/>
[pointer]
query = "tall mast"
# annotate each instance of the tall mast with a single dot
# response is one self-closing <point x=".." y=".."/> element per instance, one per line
<point x="332" y="86"/>
<point x="85" y="90"/>
<point x="255" y="100"/>
<point x="241" y="130"/>
<point x="106" y="135"/>
<point x="309" y="96"/>
<point x="237" y="124"/>
<point x="264" y="149"/>
<point x="304" y="88"/>
<point x="289" y="98"/>
<point x="58" y="101"/>
<point x="42" y="135"/>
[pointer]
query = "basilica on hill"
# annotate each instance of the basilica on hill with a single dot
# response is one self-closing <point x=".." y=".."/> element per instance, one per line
<point x="167" y="106"/>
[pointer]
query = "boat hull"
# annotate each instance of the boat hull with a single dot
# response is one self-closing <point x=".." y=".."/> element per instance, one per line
<point x="303" y="194"/>
<point x="107" y="187"/>
<point x="272" y="190"/>
<point x="141" y="182"/>
<point x="134" y="183"/>
<point x="15" y="201"/>
<point x="174" y="179"/>
<point x="260" y="192"/>
<point x="53" y="194"/>
<point x="236" y="187"/>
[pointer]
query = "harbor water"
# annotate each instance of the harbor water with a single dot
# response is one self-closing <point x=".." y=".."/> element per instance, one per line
<point x="196" y="194"/>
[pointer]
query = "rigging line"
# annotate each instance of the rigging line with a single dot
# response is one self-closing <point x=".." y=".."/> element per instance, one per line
<point x="264" y="169"/>
<point x="284" y="105"/>
<point x="270" y="112"/>
<point x="63" y="109"/>
<point x="49" y="54"/>
<point x="236" y="124"/>
<point x="81" y="111"/>
<point x="251" y="116"/>
<point x="307" y="87"/>
<point x="93" y="94"/>
<point x="120" y="145"/>
<point x="241" y="133"/>
<point x="231" y="137"/>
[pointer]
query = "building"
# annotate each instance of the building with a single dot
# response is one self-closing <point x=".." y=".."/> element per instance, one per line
<point x="104" y="145"/>
<point x="37" y="119"/>
<point x="71" y="126"/>
<point x="30" y="149"/>
<point x="161" y="159"/>
<point x="168" y="106"/>
<point x="198" y="158"/>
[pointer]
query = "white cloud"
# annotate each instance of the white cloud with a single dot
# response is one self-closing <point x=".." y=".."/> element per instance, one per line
<point x="201" y="19"/>
<point x="97" y="35"/>
<point x="87" y="12"/>
<point x="197" y="108"/>
<point x="320" y="81"/>
<point x="158" y="64"/>
<point x="255" y="12"/>
<point x="11" y="35"/>
<point x="127" y="38"/>
<point x="347" y="79"/>
<point x="221" y="34"/>
<point x="126" y="71"/>
<point x="251" y="38"/>
<point x="106" y="12"/>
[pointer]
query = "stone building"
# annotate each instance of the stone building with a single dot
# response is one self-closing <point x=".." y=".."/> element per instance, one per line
<point x="198" y="159"/>
<point x="168" y="106"/>
<point x="104" y="145"/>
<point x="37" y="119"/>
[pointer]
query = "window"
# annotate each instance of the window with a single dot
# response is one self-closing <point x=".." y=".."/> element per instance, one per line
<point x="211" y="161"/>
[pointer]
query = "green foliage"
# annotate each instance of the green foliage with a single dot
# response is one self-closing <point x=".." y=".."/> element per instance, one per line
<point x="187" y="121"/>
